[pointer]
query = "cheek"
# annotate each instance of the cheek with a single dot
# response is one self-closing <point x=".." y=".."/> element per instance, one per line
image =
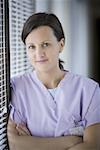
<point x="30" y="55"/>
<point x="56" y="53"/>
<point x="31" y="58"/>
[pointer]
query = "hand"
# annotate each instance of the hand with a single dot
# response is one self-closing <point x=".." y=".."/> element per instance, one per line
<point x="12" y="134"/>
<point x="22" y="129"/>
<point x="11" y="128"/>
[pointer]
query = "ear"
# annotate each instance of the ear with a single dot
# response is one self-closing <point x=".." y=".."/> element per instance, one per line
<point x="62" y="44"/>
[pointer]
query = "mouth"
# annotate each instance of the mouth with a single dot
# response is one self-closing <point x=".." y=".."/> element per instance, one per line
<point x="42" y="61"/>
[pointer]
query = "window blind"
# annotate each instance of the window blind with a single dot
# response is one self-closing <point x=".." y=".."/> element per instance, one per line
<point x="16" y="15"/>
<point x="19" y="12"/>
<point x="4" y="73"/>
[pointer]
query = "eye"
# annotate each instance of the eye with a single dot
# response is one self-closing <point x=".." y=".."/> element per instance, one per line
<point x="45" y="44"/>
<point x="31" y="47"/>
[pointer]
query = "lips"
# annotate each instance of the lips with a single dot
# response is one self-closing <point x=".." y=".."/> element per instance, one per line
<point x="42" y="61"/>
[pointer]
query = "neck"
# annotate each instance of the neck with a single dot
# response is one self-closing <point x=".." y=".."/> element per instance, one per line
<point x="51" y="79"/>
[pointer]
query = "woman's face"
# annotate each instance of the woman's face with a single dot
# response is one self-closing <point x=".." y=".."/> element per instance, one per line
<point x="43" y="49"/>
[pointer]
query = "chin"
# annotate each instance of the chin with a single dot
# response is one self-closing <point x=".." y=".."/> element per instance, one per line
<point x="44" y="69"/>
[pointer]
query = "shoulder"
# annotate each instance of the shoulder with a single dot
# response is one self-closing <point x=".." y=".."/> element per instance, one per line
<point x="83" y="85"/>
<point x="83" y="81"/>
<point x="21" y="80"/>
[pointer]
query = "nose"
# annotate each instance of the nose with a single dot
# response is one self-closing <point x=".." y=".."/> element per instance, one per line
<point x="40" y="52"/>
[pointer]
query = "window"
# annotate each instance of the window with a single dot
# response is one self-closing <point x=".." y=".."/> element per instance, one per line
<point x="19" y="12"/>
<point x="11" y="21"/>
<point x="4" y="72"/>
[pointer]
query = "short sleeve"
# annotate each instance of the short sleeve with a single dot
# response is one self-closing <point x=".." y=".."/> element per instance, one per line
<point x="15" y="113"/>
<point x="93" y="113"/>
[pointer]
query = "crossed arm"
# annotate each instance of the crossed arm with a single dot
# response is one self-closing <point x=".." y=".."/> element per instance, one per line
<point x="20" y="138"/>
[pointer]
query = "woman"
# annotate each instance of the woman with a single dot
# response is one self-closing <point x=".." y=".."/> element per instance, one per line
<point x="52" y="108"/>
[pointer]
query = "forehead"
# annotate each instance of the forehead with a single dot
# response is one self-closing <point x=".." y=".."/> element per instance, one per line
<point x="40" y="34"/>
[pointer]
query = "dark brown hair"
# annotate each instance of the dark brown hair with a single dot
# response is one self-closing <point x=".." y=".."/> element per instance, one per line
<point x="44" y="19"/>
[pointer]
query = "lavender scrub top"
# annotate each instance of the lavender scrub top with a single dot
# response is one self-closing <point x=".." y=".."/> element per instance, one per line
<point x="76" y="105"/>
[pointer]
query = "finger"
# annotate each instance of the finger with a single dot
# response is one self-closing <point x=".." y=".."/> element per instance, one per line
<point x="21" y="131"/>
<point x="24" y="128"/>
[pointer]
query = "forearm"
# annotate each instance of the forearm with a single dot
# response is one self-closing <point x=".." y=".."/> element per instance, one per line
<point x="20" y="139"/>
<point x="38" y="143"/>
<point x="85" y="146"/>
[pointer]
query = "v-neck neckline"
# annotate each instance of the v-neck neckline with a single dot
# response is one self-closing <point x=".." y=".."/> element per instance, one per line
<point x="60" y="85"/>
<point x="50" y="100"/>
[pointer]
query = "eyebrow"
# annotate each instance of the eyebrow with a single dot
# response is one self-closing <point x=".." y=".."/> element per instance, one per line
<point x="41" y="42"/>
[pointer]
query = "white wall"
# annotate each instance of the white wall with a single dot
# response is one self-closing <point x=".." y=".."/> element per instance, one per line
<point x="79" y="23"/>
<point x="61" y="9"/>
<point x="73" y="15"/>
